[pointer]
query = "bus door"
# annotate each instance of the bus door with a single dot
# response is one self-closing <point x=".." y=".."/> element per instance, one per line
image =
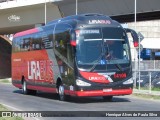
<point x="64" y="54"/>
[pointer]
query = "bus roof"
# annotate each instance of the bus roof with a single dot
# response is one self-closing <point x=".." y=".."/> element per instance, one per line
<point x="84" y="18"/>
<point x="26" y="32"/>
<point x="89" y="18"/>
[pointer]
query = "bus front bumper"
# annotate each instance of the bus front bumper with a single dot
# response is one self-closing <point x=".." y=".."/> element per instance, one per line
<point x="104" y="92"/>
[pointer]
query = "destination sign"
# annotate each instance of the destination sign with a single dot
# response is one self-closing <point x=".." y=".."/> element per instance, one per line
<point x="99" y="22"/>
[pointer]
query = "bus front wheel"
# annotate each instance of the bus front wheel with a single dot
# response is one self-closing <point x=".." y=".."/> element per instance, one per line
<point x="107" y="98"/>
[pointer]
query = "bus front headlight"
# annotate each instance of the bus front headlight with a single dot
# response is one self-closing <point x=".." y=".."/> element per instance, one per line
<point x="129" y="81"/>
<point x="82" y="83"/>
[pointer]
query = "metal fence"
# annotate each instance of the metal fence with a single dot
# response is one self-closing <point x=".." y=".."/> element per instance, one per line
<point x="147" y="65"/>
<point x="146" y="75"/>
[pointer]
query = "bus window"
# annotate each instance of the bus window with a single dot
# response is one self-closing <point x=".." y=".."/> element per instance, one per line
<point x="61" y="40"/>
<point x="37" y="42"/>
<point x="14" y="45"/>
<point x="47" y="40"/>
<point x="17" y="44"/>
<point x="70" y="54"/>
<point x="30" y="44"/>
<point x="26" y="43"/>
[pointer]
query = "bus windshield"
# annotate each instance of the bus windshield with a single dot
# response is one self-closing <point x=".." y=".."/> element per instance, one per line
<point x="102" y="46"/>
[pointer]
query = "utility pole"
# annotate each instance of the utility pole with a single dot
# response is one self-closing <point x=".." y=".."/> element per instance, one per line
<point x="76" y="7"/>
<point x="45" y="15"/>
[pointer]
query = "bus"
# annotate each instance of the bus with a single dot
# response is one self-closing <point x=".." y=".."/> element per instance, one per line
<point x="83" y="55"/>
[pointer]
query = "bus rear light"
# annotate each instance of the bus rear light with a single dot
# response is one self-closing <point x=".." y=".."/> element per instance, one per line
<point x="135" y="44"/>
<point x="82" y="83"/>
<point x="129" y="81"/>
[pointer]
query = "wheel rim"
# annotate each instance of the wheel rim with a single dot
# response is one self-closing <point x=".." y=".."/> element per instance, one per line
<point x="61" y="92"/>
<point x="24" y="87"/>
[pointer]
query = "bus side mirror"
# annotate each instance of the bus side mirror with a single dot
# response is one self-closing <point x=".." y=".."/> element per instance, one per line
<point x="134" y="36"/>
<point x="73" y="38"/>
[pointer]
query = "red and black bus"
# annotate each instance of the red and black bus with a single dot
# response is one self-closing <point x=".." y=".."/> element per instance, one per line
<point x="80" y="55"/>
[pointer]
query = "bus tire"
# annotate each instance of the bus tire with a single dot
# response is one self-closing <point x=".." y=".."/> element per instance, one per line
<point x="107" y="98"/>
<point x="61" y="93"/>
<point x="32" y="92"/>
<point x="24" y="88"/>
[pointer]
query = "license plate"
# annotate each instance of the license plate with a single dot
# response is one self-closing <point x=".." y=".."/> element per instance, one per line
<point x="107" y="90"/>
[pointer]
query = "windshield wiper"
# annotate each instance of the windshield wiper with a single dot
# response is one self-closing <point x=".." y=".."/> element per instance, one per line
<point x="100" y="57"/>
<point x="97" y="61"/>
<point x="119" y="67"/>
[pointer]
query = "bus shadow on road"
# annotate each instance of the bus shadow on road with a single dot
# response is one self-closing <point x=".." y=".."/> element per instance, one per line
<point x="78" y="100"/>
<point x="97" y="99"/>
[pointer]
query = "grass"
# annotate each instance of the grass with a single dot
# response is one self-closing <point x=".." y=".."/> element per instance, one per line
<point x="144" y="94"/>
<point x="153" y="89"/>
<point x="147" y="96"/>
<point x="156" y="89"/>
<point x="2" y="108"/>
<point x="4" y="81"/>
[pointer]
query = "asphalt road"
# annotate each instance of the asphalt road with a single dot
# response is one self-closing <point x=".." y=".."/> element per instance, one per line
<point x="13" y="98"/>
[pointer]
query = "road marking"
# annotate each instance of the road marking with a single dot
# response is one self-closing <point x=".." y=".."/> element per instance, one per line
<point x="16" y="109"/>
<point x="11" y="107"/>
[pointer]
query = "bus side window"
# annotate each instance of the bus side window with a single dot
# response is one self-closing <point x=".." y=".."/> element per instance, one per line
<point x="70" y="55"/>
<point x="18" y="45"/>
<point x="25" y="43"/>
<point x="15" y="45"/>
<point x="61" y="41"/>
<point x="30" y="44"/>
<point x="47" y="39"/>
<point x="40" y="40"/>
<point x="36" y="42"/>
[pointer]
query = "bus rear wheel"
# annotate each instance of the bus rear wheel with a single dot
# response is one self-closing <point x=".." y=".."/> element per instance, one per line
<point x="32" y="92"/>
<point x="61" y="93"/>
<point x="27" y="91"/>
<point x="24" y="88"/>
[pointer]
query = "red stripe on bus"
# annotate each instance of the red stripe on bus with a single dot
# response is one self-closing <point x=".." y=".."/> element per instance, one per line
<point x="94" y="77"/>
<point x="70" y="92"/>
<point x="30" y="31"/>
<point x="102" y="93"/>
<point x="45" y="89"/>
<point x="17" y="85"/>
